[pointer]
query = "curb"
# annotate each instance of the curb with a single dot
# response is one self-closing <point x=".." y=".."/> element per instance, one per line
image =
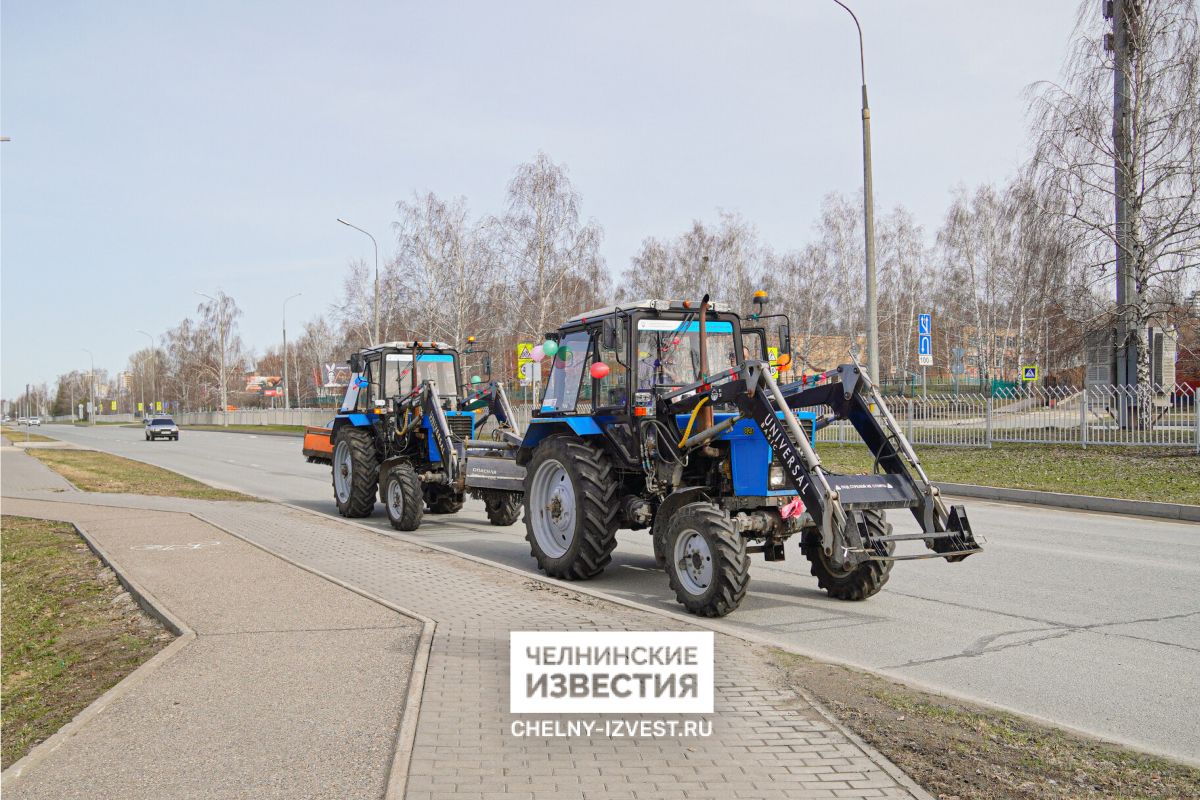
<point x="406" y="731"/>
<point x="1076" y="502"/>
<point x="152" y="606"/>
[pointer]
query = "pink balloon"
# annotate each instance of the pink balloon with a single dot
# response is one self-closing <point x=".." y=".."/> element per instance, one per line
<point x="599" y="370"/>
<point x="538" y="354"/>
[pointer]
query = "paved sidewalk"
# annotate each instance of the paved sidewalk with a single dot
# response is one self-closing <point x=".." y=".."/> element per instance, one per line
<point x="766" y="743"/>
<point x="291" y="687"/>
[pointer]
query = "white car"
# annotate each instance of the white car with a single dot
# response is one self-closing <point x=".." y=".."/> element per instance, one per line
<point x="35" y="421"/>
<point x="162" y="428"/>
<point x="22" y="420"/>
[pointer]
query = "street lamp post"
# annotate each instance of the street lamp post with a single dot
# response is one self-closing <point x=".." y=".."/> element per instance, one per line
<point x="286" y="397"/>
<point x="142" y="375"/>
<point x="868" y="212"/>
<point x="91" y="387"/>
<point x="221" y="344"/>
<point x="360" y="230"/>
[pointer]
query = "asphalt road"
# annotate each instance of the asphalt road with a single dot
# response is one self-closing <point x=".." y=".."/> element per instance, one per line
<point x="1087" y="620"/>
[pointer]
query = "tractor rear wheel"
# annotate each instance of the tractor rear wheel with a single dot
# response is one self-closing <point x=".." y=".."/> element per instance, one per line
<point x="442" y="500"/>
<point x="503" y="508"/>
<point x="402" y="498"/>
<point x="707" y="563"/>
<point x="570" y="508"/>
<point x="858" y="582"/>
<point x="355" y="472"/>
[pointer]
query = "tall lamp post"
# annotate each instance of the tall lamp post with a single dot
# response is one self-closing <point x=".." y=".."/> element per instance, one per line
<point x="143" y="375"/>
<point x="868" y="212"/>
<point x="221" y="342"/>
<point x="360" y="230"/>
<point x="286" y="397"/>
<point x="91" y="387"/>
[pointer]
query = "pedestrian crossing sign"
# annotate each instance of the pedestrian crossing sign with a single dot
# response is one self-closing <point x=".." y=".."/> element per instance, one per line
<point x="1029" y="373"/>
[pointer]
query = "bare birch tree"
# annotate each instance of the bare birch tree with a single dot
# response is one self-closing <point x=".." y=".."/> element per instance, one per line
<point x="1075" y="152"/>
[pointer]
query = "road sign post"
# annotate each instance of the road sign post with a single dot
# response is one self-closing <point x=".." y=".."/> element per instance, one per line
<point x="924" y="348"/>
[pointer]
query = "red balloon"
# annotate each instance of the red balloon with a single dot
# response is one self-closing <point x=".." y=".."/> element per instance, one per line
<point x="599" y="370"/>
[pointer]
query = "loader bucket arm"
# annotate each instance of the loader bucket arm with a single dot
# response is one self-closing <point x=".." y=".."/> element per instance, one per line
<point x="440" y="428"/>
<point x="425" y="399"/>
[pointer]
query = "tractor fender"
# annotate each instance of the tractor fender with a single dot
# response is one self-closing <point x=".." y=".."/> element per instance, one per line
<point x="675" y="501"/>
<point x="540" y="429"/>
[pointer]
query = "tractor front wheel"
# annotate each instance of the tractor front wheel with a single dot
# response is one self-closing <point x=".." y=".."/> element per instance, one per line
<point x="503" y="508"/>
<point x="355" y="472"/>
<point x="858" y="582"/>
<point x="402" y="498"/>
<point x="570" y="508"/>
<point x="707" y="563"/>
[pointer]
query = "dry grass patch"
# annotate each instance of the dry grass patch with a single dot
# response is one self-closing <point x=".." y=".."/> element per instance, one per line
<point x="71" y="632"/>
<point x="94" y="471"/>
<point x="961" y="751"/>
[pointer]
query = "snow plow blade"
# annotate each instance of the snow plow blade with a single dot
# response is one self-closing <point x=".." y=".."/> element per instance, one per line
<point x="318" y="446"/>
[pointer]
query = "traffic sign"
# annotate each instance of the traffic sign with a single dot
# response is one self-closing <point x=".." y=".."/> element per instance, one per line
<point x="1029" y="373"/>
<point x="925" y="340"/>
<point x="525" y="368"/>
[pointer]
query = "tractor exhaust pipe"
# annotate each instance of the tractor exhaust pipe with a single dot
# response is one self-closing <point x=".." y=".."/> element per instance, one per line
<point x="706" y="414"/>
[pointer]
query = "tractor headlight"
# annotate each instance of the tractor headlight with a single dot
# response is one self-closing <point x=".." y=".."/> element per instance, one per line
<point x="775" y="477"/>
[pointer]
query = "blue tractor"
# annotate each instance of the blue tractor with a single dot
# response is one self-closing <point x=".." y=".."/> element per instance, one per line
<point x="402" y="435"/>
<point x="664" y="415"/>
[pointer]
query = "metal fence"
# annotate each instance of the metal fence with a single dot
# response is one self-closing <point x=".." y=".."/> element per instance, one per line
<point x="1037" y="415"/>
<point x="1098" y="415"/>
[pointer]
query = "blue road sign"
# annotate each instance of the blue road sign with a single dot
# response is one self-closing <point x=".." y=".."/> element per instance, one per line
<point x="924" y="345"/>
<point x="924" y="324"/>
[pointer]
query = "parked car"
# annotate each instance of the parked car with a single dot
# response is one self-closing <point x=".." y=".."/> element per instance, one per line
<point x="162" y="428"/>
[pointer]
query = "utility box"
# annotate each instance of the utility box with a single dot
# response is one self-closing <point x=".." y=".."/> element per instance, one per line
<point x="1101" y="357"/>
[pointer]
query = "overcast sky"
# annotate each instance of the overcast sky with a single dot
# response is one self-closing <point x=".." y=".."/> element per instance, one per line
<point x="160" y="148"/>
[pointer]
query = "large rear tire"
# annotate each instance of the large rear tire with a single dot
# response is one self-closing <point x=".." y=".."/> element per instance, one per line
<point x="355" y="472"/>
<point x="570" y="508"/>
<point x="856" y="583"/>
<point x="443" y="501"/>
<point x="503" y="508"/>
<point x="707" y="563"/>
<point x="402" y="498"/>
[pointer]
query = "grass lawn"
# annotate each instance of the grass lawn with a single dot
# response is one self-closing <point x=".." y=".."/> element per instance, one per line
<point x="958" y="749"/>
<point x="1161" y="474"/>
<point x="93" y="471"/>
<point x="23" y="434"/>
<point x="70" y="630"/>
<point x="296" y="429"/>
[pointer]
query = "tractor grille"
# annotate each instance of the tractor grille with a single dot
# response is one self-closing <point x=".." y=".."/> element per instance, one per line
<point x="460" y="427"/>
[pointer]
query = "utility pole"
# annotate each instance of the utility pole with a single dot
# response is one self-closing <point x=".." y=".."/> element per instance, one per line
<point x="376" y="244"/>
<point x="1127" y="338"/>
<point x="868" y="212"/>
<point x="91" y="387"/>
<point x="286" y="397"/>
<point x="142" y="375"/>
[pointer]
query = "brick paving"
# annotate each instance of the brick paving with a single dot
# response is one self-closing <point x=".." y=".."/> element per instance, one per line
<point x="766" y="741"/>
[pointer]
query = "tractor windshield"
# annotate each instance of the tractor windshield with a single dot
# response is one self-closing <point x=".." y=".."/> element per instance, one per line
<point x="438" y="366"/>
<point x="669" y="351"/>
<point x="566" y="373"/>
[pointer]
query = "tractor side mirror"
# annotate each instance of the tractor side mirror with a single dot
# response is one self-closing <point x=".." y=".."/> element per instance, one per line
<point x="487" y="365"/>
<point x="608" y="334"/>
<point x="785" y="340"/>
<point x="355" y="363"/>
